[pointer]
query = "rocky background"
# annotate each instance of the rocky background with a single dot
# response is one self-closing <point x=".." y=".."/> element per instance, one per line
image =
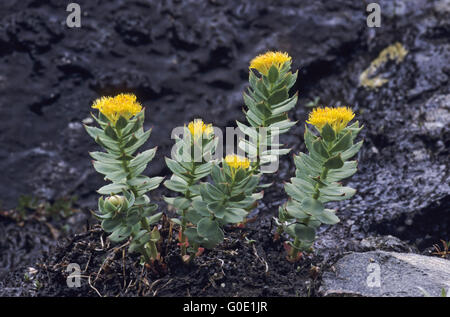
<point x="188" y="59"/>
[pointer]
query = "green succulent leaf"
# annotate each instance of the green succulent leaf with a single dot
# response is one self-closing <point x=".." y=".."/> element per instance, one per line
<point x="210" y="229"/>
<point x="273" y="74"/>
<point x="278" y="96"/>
<point x="294" y="210"/>
<point x="312" y="206"/>
<point x="111" y="189"/>
<point x="181" y="203"/>
<point x="334" y="162"/>
<point x="234" y="215"/>
<point x="349" y="153"/>
<point x="327" y="217"/>
<point x="303" y="232"/>
<point x="328" y="133"/>
<point x="217" y="208"/>
<point x="176" y="185"/>
<point x="110" y="225"/>
<point x="344" y="143"/>
<point x="320" y="149"/>
<point x="201" y="208"/>
<point x="121" y="123"/>
<point x="120" y="234"/>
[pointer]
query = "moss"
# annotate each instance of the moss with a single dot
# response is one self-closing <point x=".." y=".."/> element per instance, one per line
<point x="61" y="208"/>
<point x="368" y="78"/>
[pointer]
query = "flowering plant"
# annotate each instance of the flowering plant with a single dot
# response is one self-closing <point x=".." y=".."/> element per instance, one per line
<point x="222" y="202"/>
<point x="126" y="211"/>
<point x="204" y="208"/>
<point x="317" y="177"/>
<point x="267" y="105"/>
<point x="190" y="163"/>
<point x="210" y="206"/>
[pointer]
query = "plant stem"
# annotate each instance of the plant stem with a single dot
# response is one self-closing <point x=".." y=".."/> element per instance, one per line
<point x="295" y="249"/>
<point x="182" y="237"/>
<point x="145" y="254"/>
<point x="153" y="251"/>
<point x="183" y="215"/>
<point x="145" y="224"/>
<point x="187" y="195"/>
<point x="323" y="176"/>
<point x="125" y="161"/>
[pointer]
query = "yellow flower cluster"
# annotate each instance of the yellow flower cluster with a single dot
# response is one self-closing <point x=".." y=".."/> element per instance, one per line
<point x="235" y="161"/>
<point x="198" y="128"/>
<point x="262" y="63"/>
<point x="124" y="105"/>
<point x="337" y="118"/>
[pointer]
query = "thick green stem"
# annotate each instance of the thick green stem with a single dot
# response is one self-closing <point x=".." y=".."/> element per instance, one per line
<point x="153" y="250"/>
<point x="124" y="160"/>
<point x="183" y="212"/>
<point x="145" y="254"/>
<point x="182" y="236"/>
<point x="143" y="251"/>
<point x="295" y="249"/>
<point x="145" y="224"/>
<point x="192" y="255"/>
<point x="323" y="176"/>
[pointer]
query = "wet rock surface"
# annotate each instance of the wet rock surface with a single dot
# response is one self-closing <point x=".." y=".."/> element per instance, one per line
<point x="188" y="59"/>
<point x="393" y="274"/>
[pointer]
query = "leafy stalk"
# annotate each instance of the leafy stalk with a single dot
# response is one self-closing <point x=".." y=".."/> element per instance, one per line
<point x="267" y="104"/>
<point x="220" y="203"/>
<point x="316" y="182"/>
<point x="126" y="211"/>
<point x="190" y="164"/>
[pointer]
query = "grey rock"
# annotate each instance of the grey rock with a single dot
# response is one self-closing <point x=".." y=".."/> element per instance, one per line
<point x="385" y="243"/>
<point x="391" y="274"/>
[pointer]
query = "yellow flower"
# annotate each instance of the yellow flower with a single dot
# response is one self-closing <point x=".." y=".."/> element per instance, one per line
<point x="235" y="162"/>
<point x="337" y="118"/>
<point x="262" y="63"/>
<point x="124" y="105"/>
<point x="198" y="128"/>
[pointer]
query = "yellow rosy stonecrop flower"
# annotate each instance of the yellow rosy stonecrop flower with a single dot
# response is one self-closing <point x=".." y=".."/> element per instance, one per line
<point x="198" y="128"/>
<point x="124" y="105"/>
<point x="337" y="118"/>
<point x="263" y="62"/>
<point x="235" y="161"/>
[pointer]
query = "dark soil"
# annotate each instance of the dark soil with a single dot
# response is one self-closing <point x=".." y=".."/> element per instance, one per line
<point x="237" y="268"/>
<point x="188" y="59"/>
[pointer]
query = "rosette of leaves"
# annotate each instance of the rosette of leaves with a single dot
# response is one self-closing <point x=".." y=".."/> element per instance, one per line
<point x="190" y="163"/>
<point x="225" y="201"/>
<point x="127" y="210"/>
<point x="267" y="105"/>
<point x="317" y="182"/>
